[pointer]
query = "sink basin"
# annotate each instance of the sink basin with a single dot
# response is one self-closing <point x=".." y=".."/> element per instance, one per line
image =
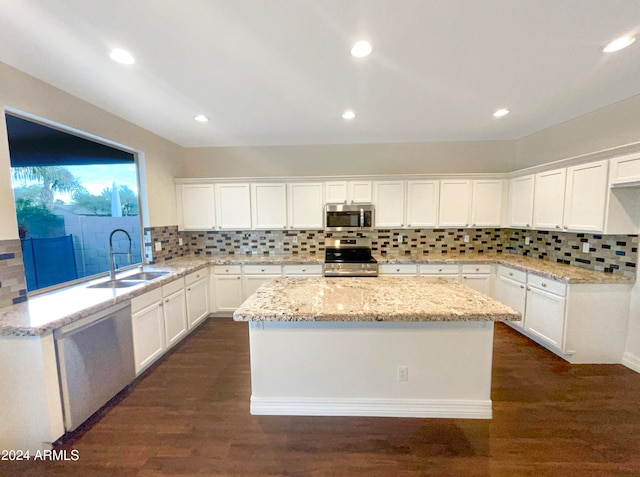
<point x="121" y="283"/>
<point x="145" y="276"/>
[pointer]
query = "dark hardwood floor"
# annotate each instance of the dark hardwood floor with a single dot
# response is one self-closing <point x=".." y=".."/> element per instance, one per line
<point x="189" y="415"/>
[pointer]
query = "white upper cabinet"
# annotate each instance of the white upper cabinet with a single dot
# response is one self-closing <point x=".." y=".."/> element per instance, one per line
<point x="486" y="203"/>
<point x="196" y="206"/>
<point x="389" y="201"/>
<point x="233" y="206"/>
<point x="455" y="202"/>
<point x="422" y="203"/>
<point x="269" y="206"/>
<point x="306" y="205"/>
<point x="520" y="212"/>
<point x="548" y="203"/>
<point x="586" y="196"/>
<point x="348" y="192"/>
<point x="625" y="170"/>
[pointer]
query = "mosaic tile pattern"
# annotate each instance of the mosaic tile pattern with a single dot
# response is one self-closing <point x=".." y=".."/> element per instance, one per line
<point x="609" y="253"/>
<point x="13" y="286"/>
<point x="169" y="237"/>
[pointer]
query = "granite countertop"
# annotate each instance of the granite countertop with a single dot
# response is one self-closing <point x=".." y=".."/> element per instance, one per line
<point x="553" y="270"/>
<point x="43" y="313"/>
<point x="366" y="299"/>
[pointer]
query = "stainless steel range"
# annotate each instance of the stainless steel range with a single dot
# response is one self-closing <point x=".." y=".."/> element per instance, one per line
<point x="349" y="257"/>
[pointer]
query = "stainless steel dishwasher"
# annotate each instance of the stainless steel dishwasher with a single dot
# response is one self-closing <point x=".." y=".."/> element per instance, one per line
<point x="95" y="361"/>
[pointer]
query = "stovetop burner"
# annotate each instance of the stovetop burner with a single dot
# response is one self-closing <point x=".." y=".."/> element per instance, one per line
<point x="349" y="258"/>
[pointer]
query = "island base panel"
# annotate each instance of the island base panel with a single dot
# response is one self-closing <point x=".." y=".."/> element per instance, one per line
<point x="353" y="368"/>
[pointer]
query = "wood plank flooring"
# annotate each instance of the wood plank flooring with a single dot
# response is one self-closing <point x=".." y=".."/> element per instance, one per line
<point x="189" y="415"/>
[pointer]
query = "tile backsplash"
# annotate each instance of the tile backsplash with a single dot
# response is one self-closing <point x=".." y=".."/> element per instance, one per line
<point x="610" y="253"/>
<point x="13" y="286"/>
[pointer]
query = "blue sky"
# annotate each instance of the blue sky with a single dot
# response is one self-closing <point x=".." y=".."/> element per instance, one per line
<point x="97" y="177"/>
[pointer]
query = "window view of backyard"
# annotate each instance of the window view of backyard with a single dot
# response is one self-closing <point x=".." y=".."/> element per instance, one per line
<point x="67" y="211"/>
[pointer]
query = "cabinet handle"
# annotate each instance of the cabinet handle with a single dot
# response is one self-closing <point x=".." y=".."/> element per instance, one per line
<point x="528" y="225"/>
<point x="166" y="301"/>
<point x="521" y="286"/>
<point x="473" y="225"/>
<point x="477" y="269"/>
<point x="237" y="278"/>
<point x="397" y="269"/>
<point x="161" y="304"/>
<point x="304" y="269"/>
<point x="466" y="225"/>
<point x="528" y="289"/>
<point x="566" y="228"/>
<point x="439" y="269"/>
<point x="544" y="285"/>
<point x="557" y="226"/>
<point x="188" y="289"/>
<point x="510" y="274"/>
<point x="262" y="269"/>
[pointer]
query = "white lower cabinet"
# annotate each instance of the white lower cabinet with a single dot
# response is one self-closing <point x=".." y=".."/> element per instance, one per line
<point x="410" y="269"/>
<point x="309" y="270"/>
<point x="197" y="297"/>
<point x="545" y="310"/>
<point x="477" y="277"/>
<point x="175" y="312"/>
<point x="147" y="320"/>
<point x="256" y="275"/>
<point x="447" y="272"/>
<point x="228" y="287"/>
<point x="511" y="289"/>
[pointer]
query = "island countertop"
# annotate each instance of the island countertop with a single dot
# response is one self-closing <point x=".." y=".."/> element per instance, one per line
<point x="370" y="299"/>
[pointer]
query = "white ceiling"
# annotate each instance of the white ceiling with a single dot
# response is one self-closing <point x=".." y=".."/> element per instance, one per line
<point x="278" y="72"/>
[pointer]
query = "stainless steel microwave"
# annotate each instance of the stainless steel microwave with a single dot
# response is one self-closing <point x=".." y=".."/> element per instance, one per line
<point x="344" y="217"/>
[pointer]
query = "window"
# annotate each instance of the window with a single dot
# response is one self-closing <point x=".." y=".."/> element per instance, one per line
<point x="70" y="193"/>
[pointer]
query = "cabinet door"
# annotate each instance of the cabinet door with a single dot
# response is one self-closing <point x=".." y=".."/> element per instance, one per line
<point x="512" y="294"/>
<point x="269" y="206"/>
<point x="175" y="317"/>
<point x="545" y="316"/>
<point x="197" y="302"/>
<point x="455" y="199"/>
<point x="586" y="197"/>
<point x="359" y="192"/>
<point x="521" y="201"/>
<point x="306" y="206"/>
<point x="233" y="206"/>
<point x="479" y="282"/>
<point x="624" y="169"/>
<point x="388" y="198"/>
<point x="336" y="192"/>
<point x="253" y="282"/>
<point x="148" y="335"/>
<point x="196" y="206"/>
<point x="228" y="292"/>
<point x="548" y="207"/>
<point x="422" y="203"/>
<point x="486" y="203"/>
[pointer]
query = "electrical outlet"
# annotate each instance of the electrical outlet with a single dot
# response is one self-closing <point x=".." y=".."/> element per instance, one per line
<point x="158" y="246"/>
<point x="585" y="247"/>
<point x="403" y="373"/>
<point x="294" y="239"/>
<point x="180" y="242"/>
<point x="400" y="238"/>
<point x="527" y="240"/>
<point x="466" y="239"/>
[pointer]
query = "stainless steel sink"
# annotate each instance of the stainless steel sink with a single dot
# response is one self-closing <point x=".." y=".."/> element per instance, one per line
<point x="145" y="276"/>
<point x="121" y="283"/>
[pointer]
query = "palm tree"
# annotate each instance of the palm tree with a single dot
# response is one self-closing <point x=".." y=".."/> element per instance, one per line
<point x="52" y="178"/>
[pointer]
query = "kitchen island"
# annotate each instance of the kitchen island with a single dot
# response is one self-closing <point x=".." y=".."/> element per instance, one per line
<point x="386" y="346"/>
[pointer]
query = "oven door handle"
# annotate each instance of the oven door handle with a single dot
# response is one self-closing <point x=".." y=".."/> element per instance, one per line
<point x="361" y="217"/>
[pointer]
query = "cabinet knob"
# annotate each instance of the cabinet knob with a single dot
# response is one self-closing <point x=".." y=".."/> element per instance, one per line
<point x="304" y="269"/>
<point x="397" y="269"/>
<point x="166" y="301"/>
<point x="510" y="274"/>
<point x="528" y="225"/>
<point x="557" y="226"/>
<point x="473" y="225"/>
<point x="477" y="269"/>
<point x="237" y="278"/>
<point x="528" y="289"/>
<point x="521" y="286"/>
<point x="544" y="285"/>
<point x="439" y="269"/>
<point x="566" y="228"/>
<point x="161" y="304"/>
<point x="262" y="269"/>
<point x="466" y="225"/>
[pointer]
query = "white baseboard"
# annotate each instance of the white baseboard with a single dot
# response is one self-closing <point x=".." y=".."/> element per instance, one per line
<point x="424" y="408"/>
<point x="631" y="362"/>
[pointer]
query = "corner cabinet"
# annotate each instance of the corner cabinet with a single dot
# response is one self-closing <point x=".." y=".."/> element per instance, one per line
<point x="196" y="206"/>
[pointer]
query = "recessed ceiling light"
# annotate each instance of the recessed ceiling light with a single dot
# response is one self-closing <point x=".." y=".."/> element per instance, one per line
<point x="618" y="44"/>
<point x="361" y="49"/>
<point x="500" y="112"/>
<point x="201" y="118"/>
<point x="348" y="115"/>
<point x="122" y="56"/>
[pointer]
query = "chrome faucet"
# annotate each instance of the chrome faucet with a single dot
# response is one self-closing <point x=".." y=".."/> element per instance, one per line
<point x="112" y="272"/>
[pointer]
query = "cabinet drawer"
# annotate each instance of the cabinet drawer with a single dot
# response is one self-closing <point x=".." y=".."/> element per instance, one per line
<point x="471" y="268"/>
<point x="227" y="269"/>
<point x="398" y="269"/>
<point x="262" y="269"/>
<point x="313" y="269"/>
<point x="143" y="301"/>
<point x="172" y="287"/>
<point x="195" y="276"/>
<point x="513" y="274"/>
<point x="546" y="284"/>
<point x="435" y="269"/>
